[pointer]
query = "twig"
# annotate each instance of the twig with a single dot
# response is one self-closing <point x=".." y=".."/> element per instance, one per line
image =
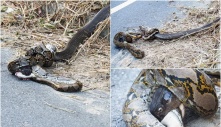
<point x="93" y="37"/>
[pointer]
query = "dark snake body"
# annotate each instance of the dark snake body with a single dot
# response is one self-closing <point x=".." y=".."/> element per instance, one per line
<point x="127" y="38"/>
<point x="41" y="56"/>
<point x="170" y="36"/>
<point x="82" y="34"/>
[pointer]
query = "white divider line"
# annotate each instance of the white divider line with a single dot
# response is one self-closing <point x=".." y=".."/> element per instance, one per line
<point x="117" y="8"/>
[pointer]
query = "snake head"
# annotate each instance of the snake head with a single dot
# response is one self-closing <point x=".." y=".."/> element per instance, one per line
<point x="163" y="102"/>
<point x="51" y="48"/>
<point x="148" y="34"/>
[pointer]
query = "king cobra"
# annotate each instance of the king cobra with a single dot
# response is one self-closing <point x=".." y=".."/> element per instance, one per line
<point x="30" y="65"/>
<point x="122" y="39"/>
<point x="156" y="92"/>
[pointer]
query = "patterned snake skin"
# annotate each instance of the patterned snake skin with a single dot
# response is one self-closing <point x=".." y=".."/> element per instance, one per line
<point x="189" y="87"/>
<point x="122" y="39"/>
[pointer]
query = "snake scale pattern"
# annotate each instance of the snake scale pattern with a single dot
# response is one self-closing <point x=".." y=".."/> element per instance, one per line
<point x="190" y="87"/>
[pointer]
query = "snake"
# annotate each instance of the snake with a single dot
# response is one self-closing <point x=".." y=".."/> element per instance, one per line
<point x="156" y="92"/>
<point x="30" y="66"/>
<point x="123" y="39"/>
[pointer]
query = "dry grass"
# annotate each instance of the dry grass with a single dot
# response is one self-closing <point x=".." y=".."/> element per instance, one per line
<point x="197" y="51"/>
<point x="32" y="23"/>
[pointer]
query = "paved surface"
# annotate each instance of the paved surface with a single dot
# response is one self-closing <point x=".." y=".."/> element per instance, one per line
<point x="152" y="14"/>
<point x="30" y="104"/>
<point x="121" y="81"/>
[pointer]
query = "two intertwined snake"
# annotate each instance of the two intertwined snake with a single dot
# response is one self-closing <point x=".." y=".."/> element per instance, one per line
<point x="29" y="66"/>
<point x="123" y="40"/>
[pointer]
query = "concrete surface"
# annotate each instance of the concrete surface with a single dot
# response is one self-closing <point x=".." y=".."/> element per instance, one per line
<point x="30" y="104"/>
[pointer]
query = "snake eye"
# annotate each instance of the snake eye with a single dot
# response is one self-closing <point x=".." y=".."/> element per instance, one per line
<point x="160" y="109"/>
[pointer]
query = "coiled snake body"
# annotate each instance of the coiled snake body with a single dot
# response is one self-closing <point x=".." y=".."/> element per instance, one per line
<point x="30" y="65"/>
<point x="147" y="96"/>
<point x="122" y="39"/>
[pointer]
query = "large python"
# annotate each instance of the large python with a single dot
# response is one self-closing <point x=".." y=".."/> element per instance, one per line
<point x="30" y="65"/>
<point x="123" y="40"/>
<point x="156" y="92"/>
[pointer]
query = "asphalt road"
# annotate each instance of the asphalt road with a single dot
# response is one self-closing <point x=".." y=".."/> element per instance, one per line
<point x="152" y="14"/>
<point x="30" y="104"/>
<point x="121" y="81"/>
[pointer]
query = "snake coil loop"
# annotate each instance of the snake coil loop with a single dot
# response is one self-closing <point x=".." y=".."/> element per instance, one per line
<point x="38" y="55"/>
<point x="122" y="40"/>
<point x="21" y="64"/>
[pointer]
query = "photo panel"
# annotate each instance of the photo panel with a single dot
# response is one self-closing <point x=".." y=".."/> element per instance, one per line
<point x="55" y="61"/>
<point x="165" y="97"/>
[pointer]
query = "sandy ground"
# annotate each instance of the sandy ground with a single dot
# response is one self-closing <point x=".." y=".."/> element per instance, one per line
<point x="121" y="81"/>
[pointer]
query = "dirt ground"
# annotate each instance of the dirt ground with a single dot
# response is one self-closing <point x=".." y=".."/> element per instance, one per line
<point x="90" y="64"/>
<point x="197" y="51"/>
